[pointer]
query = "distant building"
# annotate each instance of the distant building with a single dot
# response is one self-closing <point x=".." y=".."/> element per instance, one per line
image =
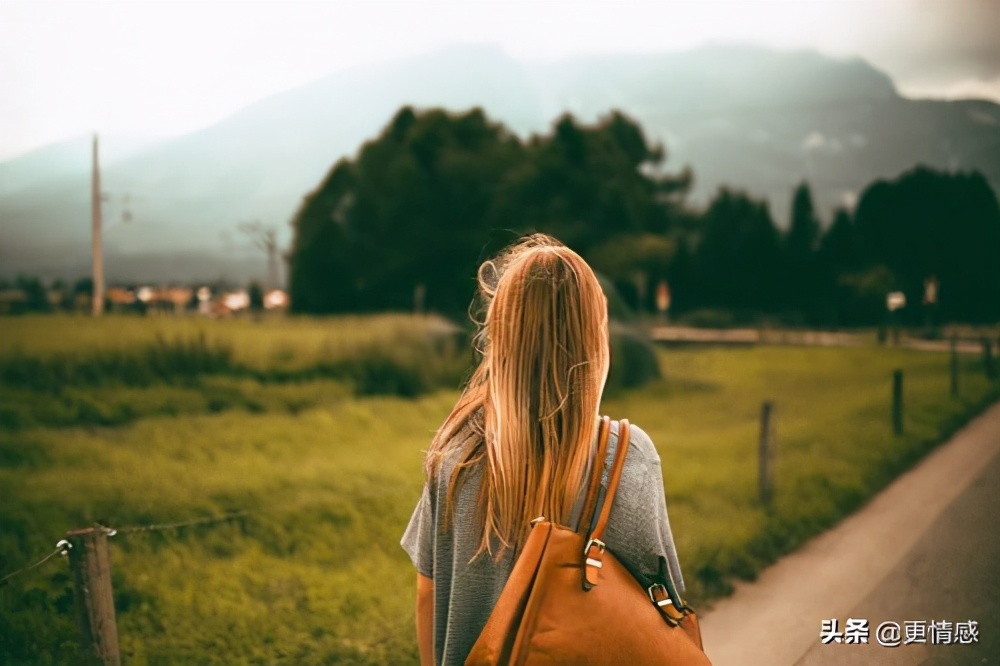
<point x="276" y="299"/>
<point x="121" y="298"/>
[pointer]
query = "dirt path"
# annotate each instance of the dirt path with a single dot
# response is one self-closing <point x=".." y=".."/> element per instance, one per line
<point x="926" y="548"/>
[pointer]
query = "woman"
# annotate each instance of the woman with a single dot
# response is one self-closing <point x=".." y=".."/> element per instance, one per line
<point x="518" y="445"/>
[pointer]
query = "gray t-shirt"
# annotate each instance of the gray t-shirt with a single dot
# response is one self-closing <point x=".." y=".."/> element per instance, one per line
<point x="467" y="589"/>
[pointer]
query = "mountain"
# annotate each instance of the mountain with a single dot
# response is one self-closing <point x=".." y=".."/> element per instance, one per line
<point x="763" y="121"/>
<point x="743" y="116"/>
<point x="66" y="158"/>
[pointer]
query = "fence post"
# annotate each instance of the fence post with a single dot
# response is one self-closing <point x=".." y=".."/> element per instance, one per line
<point x="95" y="609"/>
<point x="897" y="402"/>
<point x="764" y="453"/>
<point x="954" y="367"/>
<point x="988" y="358"/>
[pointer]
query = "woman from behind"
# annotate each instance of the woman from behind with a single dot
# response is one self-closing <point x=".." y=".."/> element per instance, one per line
<point x="519" y="444"/>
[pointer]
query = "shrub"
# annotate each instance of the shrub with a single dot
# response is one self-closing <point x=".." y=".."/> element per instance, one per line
<point x="162" y="360"/>
<point x="633" y="359"/>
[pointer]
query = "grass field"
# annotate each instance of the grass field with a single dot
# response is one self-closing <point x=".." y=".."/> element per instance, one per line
<point x="313" y="573"/>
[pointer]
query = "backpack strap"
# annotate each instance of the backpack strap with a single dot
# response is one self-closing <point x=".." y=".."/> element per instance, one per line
<point x="594" y="550"/>
<point x="596" y="472"/>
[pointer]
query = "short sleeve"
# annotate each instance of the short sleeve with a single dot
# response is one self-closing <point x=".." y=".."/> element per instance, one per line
<point x="664" y="543"/>
<point x="418" y="539"/>
<point x="639" y="529"/>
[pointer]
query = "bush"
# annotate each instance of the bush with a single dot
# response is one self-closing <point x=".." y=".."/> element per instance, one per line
<point x="407" y="368"/>
<point x="407" y="362"/>
<point x="633" y="359"/>
<point x="162" y="360"/>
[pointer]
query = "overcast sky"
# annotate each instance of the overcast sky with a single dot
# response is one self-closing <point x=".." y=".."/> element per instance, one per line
<point x="151" y="68"/>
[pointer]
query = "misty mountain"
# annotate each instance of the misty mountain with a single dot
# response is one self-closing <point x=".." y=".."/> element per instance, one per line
<point x="742" y="116"/>
<point x="64" y="159"/>
<point x="763" y="121"/>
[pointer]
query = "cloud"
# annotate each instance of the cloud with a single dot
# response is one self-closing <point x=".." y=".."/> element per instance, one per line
<point x="968" y="88"/>
<point x="933" y="43"/>
<point x="820" y="143"/>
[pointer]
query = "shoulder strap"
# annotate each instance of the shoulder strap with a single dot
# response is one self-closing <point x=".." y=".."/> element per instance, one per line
<point x="596" y="472"/>
<point x="594" y="550"/>
<point x="613" y="479"/>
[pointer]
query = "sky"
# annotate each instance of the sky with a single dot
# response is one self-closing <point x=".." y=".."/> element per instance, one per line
<point x="153" y="69"/>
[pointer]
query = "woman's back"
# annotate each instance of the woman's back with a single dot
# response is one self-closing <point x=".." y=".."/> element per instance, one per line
<point x="519" y="444"/>
<point x="467" y="586"/>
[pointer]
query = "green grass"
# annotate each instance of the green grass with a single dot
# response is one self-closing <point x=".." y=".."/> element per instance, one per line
<point x="270" y="344"/>
<point x="69" y="370"/>
<point x="313" y="574"/>
<point x="834" y="444"/>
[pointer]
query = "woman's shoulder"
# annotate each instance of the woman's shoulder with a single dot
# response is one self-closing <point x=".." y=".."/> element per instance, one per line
<point x="460" y="448"/>
<point x="640" y="446"/>
<point x="640" y="473"/>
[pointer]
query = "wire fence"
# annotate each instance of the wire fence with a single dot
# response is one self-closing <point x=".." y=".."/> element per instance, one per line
<point x="209" y="520"/>
<point x="62" y="548"/>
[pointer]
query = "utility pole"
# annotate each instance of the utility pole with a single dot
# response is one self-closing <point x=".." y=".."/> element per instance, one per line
<point x="271" y="245"/>
<point x="266" y="239"/>
<point x="97" y="305"/>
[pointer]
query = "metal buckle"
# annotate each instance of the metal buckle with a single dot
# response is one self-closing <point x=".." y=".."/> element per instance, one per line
<point x="652" y="596"/>
<point x="663" y="604"/>
<point x="594" y="542"/>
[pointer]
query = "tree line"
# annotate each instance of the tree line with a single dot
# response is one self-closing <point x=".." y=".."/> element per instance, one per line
<point x="407" y="220"/>
<point x="410" y="217"/>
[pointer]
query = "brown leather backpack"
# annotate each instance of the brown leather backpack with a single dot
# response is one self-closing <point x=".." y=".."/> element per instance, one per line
<point x="569" y="600"/>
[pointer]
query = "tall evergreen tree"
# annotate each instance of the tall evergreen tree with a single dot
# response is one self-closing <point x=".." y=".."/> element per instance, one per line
<point x="838" y="261"/>
<point x="800" y="243"/>
<point x="804" y="229"/>
<point x="739" y="257"/>
<point x="839" y="246"/>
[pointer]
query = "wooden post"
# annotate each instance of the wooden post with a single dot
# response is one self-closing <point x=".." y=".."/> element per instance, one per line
<point x="764" y="454"/>
<point x="954" y="367"/>
<point x="988" y="358"/>
<point x="95" y="607"/>
<point x="897" y="402"/>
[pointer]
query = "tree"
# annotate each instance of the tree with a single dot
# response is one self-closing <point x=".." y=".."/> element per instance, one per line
<point x="410" y="210"/>
<point x="685" y="288"/>
<point x="928" y="222"/>
<point x="256" y="295"/>
<point x="36" y="298"/>
<point x="838" y="248"/>
<point x="800" y="244"/>
<point x="586" y="185"/>
<point x="635" y="263"/>
<point x="739" y="257"/>
<point x="838" y="263"/>
<point x="803" y="231"/>
<point x="436" y="193"/>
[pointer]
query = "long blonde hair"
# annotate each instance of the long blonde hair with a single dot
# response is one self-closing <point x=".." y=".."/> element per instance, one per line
<point x="529" y="410"/>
